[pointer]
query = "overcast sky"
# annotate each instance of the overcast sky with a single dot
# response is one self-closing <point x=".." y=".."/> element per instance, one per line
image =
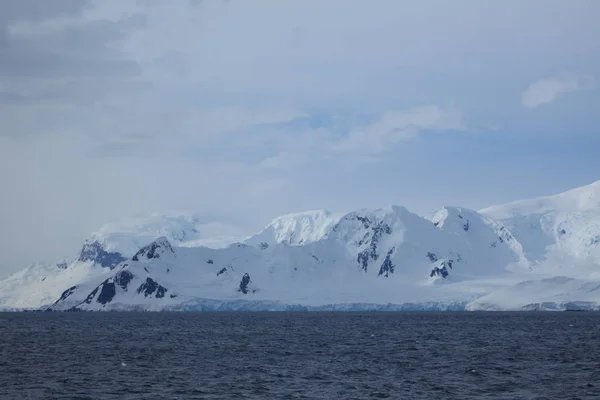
<point x="244" y="110"/>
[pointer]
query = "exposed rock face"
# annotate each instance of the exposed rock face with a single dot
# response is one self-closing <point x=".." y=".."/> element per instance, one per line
<point x="152" y="250"/>
<point x="244" y="283"/>
<point x="107" y="290"/>
<point x="92" y="295"/>
<point x="442" y="269"/>
<point x="107" y="293"/>
<point x="151" y="287"/>
<point x="66" y="294"/>
<point x="123" y="278"/>
<point x="369" y="244"/>
<point x="432" y="257"/>
<point x="63" y="264"/>
<point x="96" y="253"/>
<point x="387" y="267"/>
<point x="363" y="259"/>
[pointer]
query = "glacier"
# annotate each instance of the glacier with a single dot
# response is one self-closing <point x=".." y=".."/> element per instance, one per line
<point x="536" y="254"/>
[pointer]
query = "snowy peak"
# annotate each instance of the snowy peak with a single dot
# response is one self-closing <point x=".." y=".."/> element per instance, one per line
<point x="462" y="221"/>
<point x="451" y="218"/>
<point x="96" y="253"/>
<point x="369" y="234"/>
<point x="296" y="229"/>
<point x="369" y="227"/>
<point x="135" y="281"/>
<point x="390" y="241"/>
<point x="160" y="248"/>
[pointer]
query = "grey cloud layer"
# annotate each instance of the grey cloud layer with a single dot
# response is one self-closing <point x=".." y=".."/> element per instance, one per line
<point x="254" y="108"/>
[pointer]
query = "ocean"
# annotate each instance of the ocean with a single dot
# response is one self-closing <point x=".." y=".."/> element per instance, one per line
<point x="300" y="355"/>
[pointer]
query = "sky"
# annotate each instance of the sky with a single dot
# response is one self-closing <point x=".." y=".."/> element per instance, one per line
<point x="245" y="110"/>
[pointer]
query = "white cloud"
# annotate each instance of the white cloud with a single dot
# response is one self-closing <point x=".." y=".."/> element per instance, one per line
<point x="400" y="125"/>
<point x="284" y="161"/>
<point x="547" y="90"/>
<point x="229" y="119"/>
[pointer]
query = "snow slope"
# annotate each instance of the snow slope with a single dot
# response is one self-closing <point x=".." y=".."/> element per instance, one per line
<point x="534" y="254"/>
<point x="585" y="198"/>
<point x="297" y="229"/>
<point x="561" y="233"/>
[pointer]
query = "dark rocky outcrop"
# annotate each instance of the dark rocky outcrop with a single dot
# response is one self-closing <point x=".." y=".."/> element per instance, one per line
<point x="264" y="246"/>
<point x="222" y="271"/>
<point x="107" y="293"/>
<point x="370" y="239"/>
<point x="90" y="297"/>
<point x="442" y="269"/>
<point x="66" y="294"/>
<point x="107" y="290"/>
<point x="504" y="235"/>
<point x="466" y="226"/>
<point x="387" y="267"/>
<point x="244" y="283"/>
<point x="151" y="251"/>
<point x="96" y="253"/>
<point x="443" y="272"/>
<point x="151" y="287"/>
<point x="62" y="265"/>
<point x="365" y="221"/>
<point x="363" y="259"/>
<point x="123" y="278"/>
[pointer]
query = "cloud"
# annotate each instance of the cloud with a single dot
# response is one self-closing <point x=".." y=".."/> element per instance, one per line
<point x="400" y="125"/>
<point x="220" y="120"/>
<point x="65" y="49"/>
<point x="284" y="161"/>
<point x="121" y="149"/>
<point x="547" y="90"/>
<point x="32" y="10"/>
<point x="246" y="110"/>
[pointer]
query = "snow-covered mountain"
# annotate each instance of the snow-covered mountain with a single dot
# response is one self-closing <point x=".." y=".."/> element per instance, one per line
<point x="559" y="234"/>
<point x="533" y="254"/>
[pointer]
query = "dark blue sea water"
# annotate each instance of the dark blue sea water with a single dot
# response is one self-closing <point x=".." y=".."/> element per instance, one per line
<point x="300" y="355"/>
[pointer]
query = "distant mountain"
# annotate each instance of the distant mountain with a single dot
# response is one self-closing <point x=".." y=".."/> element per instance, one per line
<point x="534" y="254"/>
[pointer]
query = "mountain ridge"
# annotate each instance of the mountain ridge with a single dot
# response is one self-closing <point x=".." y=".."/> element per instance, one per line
<point x="385" y="256"/>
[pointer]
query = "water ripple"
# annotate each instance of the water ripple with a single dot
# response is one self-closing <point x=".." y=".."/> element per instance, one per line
<point x="299" y="355"/>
